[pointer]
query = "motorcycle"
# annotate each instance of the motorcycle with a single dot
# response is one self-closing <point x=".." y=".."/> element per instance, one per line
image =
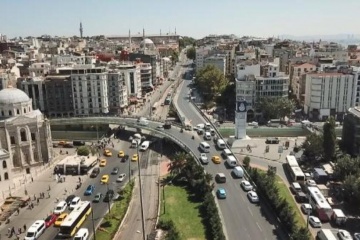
<point x="181" y="130"/>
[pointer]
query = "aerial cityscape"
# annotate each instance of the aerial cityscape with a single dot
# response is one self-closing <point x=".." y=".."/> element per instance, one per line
<point x="191" y="131"/>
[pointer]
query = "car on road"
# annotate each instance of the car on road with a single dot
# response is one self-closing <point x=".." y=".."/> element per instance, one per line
<point x="311" y="183"/>
<point x="121" y="177"/>
<point x="125" y="158"/>
<point x="121" y="154"/>
<point x="221" y="193"/>
<point x="60" y="208"/>
<point x="103" y="162"/>
<point x="160" y="127"/>
<point x="109" y="195"/>
<point x="104" y="179"/>
<point x="315" y="222"/>
<point x="107" y="153"/>
<point x="115" y="171"/>
<point x="253" y="197"/>
<point x="203" y="158"/>
<point x="135" y="158"/>
<point x="216" y="159"/>
<point x="95" y="172"/>
<point x="74" y="203"/>
<point x="272" y="140"/>
<point x="60" y="219"/>
<point x="89" y="190"/>
<point x="344" y="235"/>
<point x="50" y="220"/>
<point x="246" y="185"/>
<point x="69" y="199"/>
<point x="97" y="197"/>
<point x="255" y="124"/>
<point x="306" y="207"/>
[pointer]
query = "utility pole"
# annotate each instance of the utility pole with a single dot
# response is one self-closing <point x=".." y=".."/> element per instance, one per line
<point x="141" y="196"/>
<point x="93" y="223"/>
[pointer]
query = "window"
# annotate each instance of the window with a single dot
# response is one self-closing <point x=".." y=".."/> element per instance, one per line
<point x="24" y="110"/>
<point x="17" y="111"/>
<point x="4" y="164"/>
<point x="6" y="176"/>
<point x="10" y="113"/>
<point x="2" y="113"/>
<point x="23" y="135"/>
<point x="12" y="139"/>
<point x="33" y="138"/>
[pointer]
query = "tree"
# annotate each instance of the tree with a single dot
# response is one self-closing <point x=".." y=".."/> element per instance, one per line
<point x="186" y="41"/>
<point x="210" y="81"/>
<point x="177" y="165"/>
<point x="275" y="107"/>
<point x="83" y="151"/>
<point x="329" y="140"/>
<point x="346" y="166"/>
<point x="246" y="162"/>
<point x="191" y="53"/>
<point x="351" y="191"/>
<point x="227" y="99"/>
<point x="300" y="234"/>
<point x="174" y="57"/>
<point x="313" y="146"/>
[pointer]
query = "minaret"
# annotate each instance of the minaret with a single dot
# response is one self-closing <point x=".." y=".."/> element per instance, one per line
<point x="81" y="30"/>
<point x="143" y="33"/>
<point x="175" y="30"/>
<point x="160" y="32"/>
<point x="129" y="40"/>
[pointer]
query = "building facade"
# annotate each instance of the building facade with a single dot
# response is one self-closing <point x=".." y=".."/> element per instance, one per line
<point x="117" y="92"/>
<point x="219" y="61"/>
<point x="34" y="88"/>
<point x="146" y="77"/>
<point x="132" y="78"/>
<point x="351" y="132"/>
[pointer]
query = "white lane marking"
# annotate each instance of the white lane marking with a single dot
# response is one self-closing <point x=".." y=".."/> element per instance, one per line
<point x="258" y="226"/>
<point x="250" y="211"/>
<point x="242" y="196"/>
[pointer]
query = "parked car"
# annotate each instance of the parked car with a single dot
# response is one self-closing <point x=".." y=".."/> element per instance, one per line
<point x="246" y="185"/>
<point x="253" y="197"/>
<point x="89" y="190"/>
<point x="50" y="220"/>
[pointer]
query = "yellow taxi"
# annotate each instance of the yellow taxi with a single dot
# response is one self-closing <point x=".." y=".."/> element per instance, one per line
<point x="121" y="154"/>
<point x="107" y="153"/>
<point x="60" y="219"/>
<point x="61" y="143"/>
<point x="216" y="159"/>
<point x="103" y="162"/>
<point x="104" y="179"/>
<point x="134" y="158"/>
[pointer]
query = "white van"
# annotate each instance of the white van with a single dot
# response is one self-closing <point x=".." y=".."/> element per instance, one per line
<point x="74" y="203"/>
<point x="231" y="161"/>
<point x="205" y="147"/>
<point x="207" y="126"/>
<point x="144" y="146"/>
<point x="35" y="230"/>
<point x="82" y="234"/>
<point x="238" y="172"/>
<point x="200" y="126"/>
<point x="221" y="144"/>
<point x="207" y="136"/>
<point x="226" y="152"/>
<point x="135" y="143"/>
<point x="143" y="121"/>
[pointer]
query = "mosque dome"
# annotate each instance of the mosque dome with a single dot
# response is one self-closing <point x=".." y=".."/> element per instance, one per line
<point x="147" y="43"/>
<point x="12" y="95"/>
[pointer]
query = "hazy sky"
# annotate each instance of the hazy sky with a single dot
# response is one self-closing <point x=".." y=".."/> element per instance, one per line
<point x="195" y="18"/>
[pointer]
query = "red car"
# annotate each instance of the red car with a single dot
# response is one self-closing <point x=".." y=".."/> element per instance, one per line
<point x="50" y="220"/>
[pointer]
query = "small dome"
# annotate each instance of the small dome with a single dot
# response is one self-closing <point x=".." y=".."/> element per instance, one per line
<point x="12" y="95"/>
<point x="147" y="43"/>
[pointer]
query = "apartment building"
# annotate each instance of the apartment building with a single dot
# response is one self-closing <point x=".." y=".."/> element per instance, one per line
<point x="117" y="92"/>
<point x="351" y="132"/>
<point x="218" y="60"/>
<point x="329" y="94"/>
<point x="146" y="77"/>
<point x="4" y="80"/>
<point x="297" y="80"/>
<point x="59" y="96"/>
<point x="201" y="54"/>
<point x="90" y="90"/>
<point x="34" y="88"/>
<point x="65" y="60"/>
<point x="39" y="69"/>
<point x="132" y="78"/>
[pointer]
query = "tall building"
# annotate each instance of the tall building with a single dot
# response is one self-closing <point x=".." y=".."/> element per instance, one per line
<point x="218" y="60"/>
<point x="132" y="78"/>
<point x="146" y="77"/>
<point x="34" y="88"/>
<point x="351" y="132"/>
<point x="25" y="141"/>
<point x="117" y="92"/>
<point x="90" y="90"/>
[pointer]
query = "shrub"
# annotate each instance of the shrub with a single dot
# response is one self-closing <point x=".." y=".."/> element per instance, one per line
<point x="83" y="151"/>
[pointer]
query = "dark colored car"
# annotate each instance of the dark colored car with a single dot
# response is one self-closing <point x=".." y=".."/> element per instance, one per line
<point x="272" y="140"/>
<point x="78" y="143"/>
<point x="89" y="190"/>
<point x="95" y="172"/>
<point x="115" y="171"/>
<point x="125" y="158"/>
<point x="301" y="197"/>
<point x="68" y="145"/>
<point x="109" y="195"/>
<point x="69" y="199"/>
<point x="50" y="220"/>
<point x="97" y="197"/>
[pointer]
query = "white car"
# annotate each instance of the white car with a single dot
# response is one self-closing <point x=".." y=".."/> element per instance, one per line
<point x="203" y="158"/>
<point x="121" y="177"/>
<point x="311" y="183"/>
<point x="253" y="197"/>
<point x="305" y="207"/>
<point x="160" y="127"/>
<point x="255" y="124"/>
<point x="344" y="235"/>
<point x="246" y="185"/>
<point x="60" y="208"/>
<point x="315" y="222"/>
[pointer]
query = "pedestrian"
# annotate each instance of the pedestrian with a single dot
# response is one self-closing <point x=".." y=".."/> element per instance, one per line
<point x="32" y="179"/>
<point x="65" y="191"/>
<point x="24" y="227"/>
<point x="37" y="200"/>
<point x="12" y="231"/>
<point x="18" y="211"/>
<point x="34" y="197"/>
<point x="64" y="178"/>
<point x="9" y="231"/>
<point x="49" y="188"/>
<point x="48" y="195"/>
<point x="19" y="231"/>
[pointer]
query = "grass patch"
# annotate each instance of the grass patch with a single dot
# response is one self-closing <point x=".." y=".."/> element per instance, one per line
<point x="184" y="212"/>
<point x="112" y="220"/>
<point x="285" y="193"/>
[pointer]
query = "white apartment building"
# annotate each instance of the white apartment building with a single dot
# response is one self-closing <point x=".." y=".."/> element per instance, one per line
<point x="356" y="72"/>
<point x="272" y="83"/>
<point x="247" y="68"/>
<point x="117" y="92"/>
<point x="90" y="90"/>
<point x="329" y="94"/>
<point x="219" y="61"/>
<point x="67" y="60"/>
<point x="201" y="54"/>
<point x="132" y="78"/>
<point x="145" y="74"/>
<point x="39" y="69"/>
<point x="296" y="80"/>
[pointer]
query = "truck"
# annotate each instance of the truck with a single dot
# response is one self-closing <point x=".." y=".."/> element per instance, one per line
<point x="325" y="234"/>
<point x="338" y="217"/>
<point x="145" y="145"/>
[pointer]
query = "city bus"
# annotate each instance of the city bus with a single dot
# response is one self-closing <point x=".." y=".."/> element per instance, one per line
<point x="75" y="219"/>
<point x="320" y="204"/>
<point x="297" y="174"/>
<point x="291" y="161"/>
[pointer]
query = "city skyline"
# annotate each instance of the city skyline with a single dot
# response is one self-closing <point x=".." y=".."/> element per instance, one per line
<point x="195" y="19"/>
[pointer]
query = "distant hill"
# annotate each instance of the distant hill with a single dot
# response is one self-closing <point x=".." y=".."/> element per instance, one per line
<point x="344" y="39"/>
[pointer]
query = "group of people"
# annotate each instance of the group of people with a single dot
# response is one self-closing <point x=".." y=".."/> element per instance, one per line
<point x="12" y="232"/>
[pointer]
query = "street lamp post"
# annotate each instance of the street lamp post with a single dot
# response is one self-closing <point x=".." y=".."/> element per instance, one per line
<point x="141" y="196"/>
<point x="93" y="223"/>
<point x="107" y="186"/>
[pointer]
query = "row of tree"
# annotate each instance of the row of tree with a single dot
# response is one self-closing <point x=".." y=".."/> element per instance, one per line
<point x="186" y="41"/>
<point x="267" y="188"/>
<point x="184" y="168"/>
